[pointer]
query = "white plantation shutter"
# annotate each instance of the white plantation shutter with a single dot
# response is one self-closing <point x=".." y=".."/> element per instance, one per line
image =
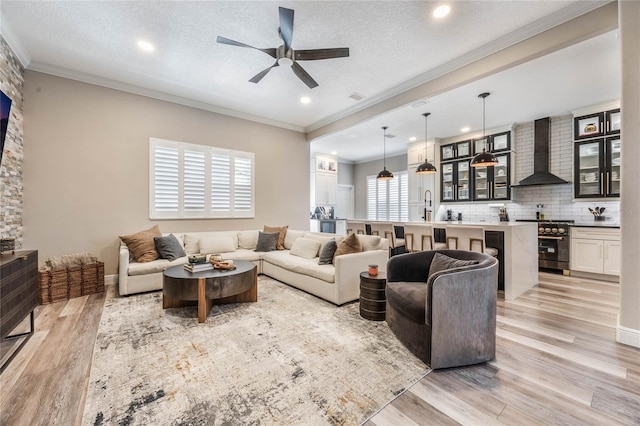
<point x="220" y="184"/>
<point x="196" y="181"/>
<point x="372" y="195"/>
<point x="193" y="193"/>
<point x="243" y="186"/>
<point x="166" y="175"/>
<point x="388" y="200"/>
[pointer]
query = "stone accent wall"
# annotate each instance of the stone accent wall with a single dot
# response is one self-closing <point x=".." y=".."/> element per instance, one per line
<point x="11" y="207"/>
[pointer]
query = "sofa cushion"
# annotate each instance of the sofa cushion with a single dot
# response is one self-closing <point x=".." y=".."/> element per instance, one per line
<point x="144" y="268"/>
<point x="169" y="247"/>
<point x="291" y="237"/>
<point x="305" y="247"/>
<point x="369" y="242"/>
<point x="192" y="239"/>
<point x="221" y="244"/>
<point x="141" y="244"/>
<point x="351" y="244"/>
<point x="324" y="239"/>
<point x="300" y="265"/>
<point x="248" y="239"/>
<point x="327" y="252"/>
<point x="409" y="298"/>
<point x="442" y="262"/>
<point x="282" y="232"/>
<point x="267" y="241"/>
<point x="242" y="254"/>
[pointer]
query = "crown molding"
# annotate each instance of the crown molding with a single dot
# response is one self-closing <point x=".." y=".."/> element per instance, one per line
<point x="154" y="94"/>
<point x="14" y="42"/>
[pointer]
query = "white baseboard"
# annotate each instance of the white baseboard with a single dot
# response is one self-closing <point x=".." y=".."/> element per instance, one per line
<point x="628" y="336"/>
<point x="111" y="279"/>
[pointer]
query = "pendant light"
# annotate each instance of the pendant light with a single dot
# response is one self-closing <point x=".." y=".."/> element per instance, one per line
<point x="484" y="159"/>
<point x="426" y="167"/>
<point x="385" y="174"/>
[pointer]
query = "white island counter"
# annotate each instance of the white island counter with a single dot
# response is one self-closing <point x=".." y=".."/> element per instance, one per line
<point x="520" y="252"/>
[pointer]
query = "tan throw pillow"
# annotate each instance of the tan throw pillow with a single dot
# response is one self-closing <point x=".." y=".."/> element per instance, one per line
<point x="351" y="244"/>
<point x="142" y="245"/>
<point x="283" y="232"/>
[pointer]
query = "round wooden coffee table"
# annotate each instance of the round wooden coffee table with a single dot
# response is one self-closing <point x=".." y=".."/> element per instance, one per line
<point x="206" y="288"/>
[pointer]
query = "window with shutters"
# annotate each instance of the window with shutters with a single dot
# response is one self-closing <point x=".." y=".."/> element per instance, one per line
<point x="197" y="181"/>
<point x="388" y="199"/>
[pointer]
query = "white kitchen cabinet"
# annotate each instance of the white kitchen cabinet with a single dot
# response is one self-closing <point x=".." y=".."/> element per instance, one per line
<point x="595" y="250"/>
<point x="323" y="180"/>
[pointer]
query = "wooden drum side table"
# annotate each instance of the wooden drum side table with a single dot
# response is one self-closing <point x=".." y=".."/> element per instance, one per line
<point x="373" y="301"/>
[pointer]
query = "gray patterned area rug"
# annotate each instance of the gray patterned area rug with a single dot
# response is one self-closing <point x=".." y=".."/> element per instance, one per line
<point x="289" y="358"/>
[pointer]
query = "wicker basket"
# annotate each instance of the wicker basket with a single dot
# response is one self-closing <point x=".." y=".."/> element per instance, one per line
<point x="73" y="281"/>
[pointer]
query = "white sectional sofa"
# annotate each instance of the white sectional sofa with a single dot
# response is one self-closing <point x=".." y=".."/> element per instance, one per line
<point x="338" y="283"/>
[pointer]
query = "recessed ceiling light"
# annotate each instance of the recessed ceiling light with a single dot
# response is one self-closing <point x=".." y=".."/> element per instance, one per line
<point x="442" y="11"/>
<point x="305" y="99"/>
<point x="412" y="139"/>
<point x="465" y="129"/>
<point x="334" y="152"/>
<point x="146" y="46"/>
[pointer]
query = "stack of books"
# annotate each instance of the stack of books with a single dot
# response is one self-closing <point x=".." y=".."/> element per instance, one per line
<point x="198" y="267"/>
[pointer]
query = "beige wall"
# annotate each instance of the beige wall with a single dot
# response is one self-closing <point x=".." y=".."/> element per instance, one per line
<point x="86" y="166"/>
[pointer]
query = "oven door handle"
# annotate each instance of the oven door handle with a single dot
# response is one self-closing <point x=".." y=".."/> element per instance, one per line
<point x="540" y="237"/>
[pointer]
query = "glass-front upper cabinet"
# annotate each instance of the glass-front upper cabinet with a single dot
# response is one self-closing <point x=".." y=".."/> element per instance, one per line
<point x="479" y="144"/>
<point x="492" y="183"/>
<point x="612" y="119"/>
<point x="454" y="181"/>
<point x="493" y="143"/>
<point x="597" y="124"/>
<point x="455" y="150"/>
<point x="589" y="169"/>
<point x="612" y="166"/>
<point x="481" y="180"/>
<point x="500" y="181"/>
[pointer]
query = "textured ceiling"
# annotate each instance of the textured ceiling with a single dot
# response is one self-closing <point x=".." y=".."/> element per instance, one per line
<point x="391" y="43"/>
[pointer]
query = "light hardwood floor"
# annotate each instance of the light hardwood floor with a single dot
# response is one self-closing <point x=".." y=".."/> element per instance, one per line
<point x="557" y="362"/>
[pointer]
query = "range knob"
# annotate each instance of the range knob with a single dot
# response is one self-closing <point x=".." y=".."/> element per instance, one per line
<point x="540" y="230"/>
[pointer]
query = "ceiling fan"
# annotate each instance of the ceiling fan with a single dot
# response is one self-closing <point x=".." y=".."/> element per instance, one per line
<point x="285" y="51"/>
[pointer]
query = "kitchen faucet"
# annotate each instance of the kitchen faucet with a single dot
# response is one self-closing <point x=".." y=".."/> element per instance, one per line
<point x="427" y="217"/>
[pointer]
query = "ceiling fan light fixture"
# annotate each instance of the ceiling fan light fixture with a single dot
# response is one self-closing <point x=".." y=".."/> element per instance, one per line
<point x="426" y="168"/>
<point x="384" y="174"/>
<point x="484" y="159"/>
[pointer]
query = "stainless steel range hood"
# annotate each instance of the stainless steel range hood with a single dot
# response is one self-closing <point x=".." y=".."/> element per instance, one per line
<point x="541" y="174"/>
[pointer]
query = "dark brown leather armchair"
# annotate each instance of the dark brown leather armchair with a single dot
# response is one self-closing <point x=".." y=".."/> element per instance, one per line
<point x="447" y="319"/>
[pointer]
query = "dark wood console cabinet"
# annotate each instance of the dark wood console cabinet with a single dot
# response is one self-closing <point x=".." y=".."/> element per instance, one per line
<point x="18" y="293"/>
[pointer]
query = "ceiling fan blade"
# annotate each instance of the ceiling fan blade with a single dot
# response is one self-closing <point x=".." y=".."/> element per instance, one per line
<point x="313" y="54"/>
<point x="303" y="75"/>
<point x="286" y="26"/>
<point x="223" y="40"/>
<point x="261" y="74"/>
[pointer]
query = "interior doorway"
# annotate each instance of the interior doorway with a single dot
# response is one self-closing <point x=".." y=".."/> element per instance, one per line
<point x="345" y="203"/>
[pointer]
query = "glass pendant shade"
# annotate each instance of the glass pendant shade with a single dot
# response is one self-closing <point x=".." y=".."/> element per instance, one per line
<point x="385" y="174"/>
<point x="484" y="159"/>
<point x="426" y="168"/>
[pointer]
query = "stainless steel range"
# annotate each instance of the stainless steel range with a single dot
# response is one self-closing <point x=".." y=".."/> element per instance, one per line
<point x="553" y="244"/>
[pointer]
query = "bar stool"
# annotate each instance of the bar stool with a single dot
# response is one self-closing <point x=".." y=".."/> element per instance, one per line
<point x="419" y="237"/>
<point x="386" y="230"/>
<point x="354" y="226"/>
<point x="469" y="238"/>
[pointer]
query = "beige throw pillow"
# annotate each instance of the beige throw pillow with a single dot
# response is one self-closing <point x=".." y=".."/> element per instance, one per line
<point x="142" y="245"/>
<point x="283" y="232"/>
<point x="351" y="244"/>
<point x="306" y="248"/>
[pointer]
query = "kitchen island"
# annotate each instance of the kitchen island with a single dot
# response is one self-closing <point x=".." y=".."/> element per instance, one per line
<point x="520" y="252"/>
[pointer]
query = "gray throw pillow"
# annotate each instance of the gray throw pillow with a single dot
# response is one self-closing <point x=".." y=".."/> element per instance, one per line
<point x="327" y="252"/>
<point x="169" y="247"/>
<point x="267" y="241"/>
<point x="443" y="262"/>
